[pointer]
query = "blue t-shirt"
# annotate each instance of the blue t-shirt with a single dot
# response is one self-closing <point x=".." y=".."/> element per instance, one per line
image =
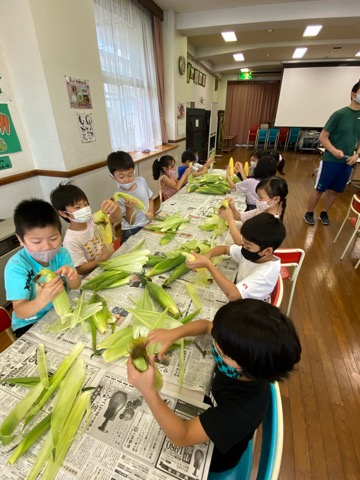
<point x="19" y="273"/>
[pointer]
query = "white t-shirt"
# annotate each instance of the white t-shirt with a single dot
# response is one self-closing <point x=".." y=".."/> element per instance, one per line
<point x="255" y="280"/>
<point x="84" y="245"/>
<point x="142" y="193"/>
<point x="248" y="187"/>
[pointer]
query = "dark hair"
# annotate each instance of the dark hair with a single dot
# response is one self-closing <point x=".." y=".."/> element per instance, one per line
<point x="119" y="161"/>
<point x="188" y="155"/>
<point x="264" y="230"/>
<point x="265" y="167"/>
<point x="66" y="194"/>
<point x="258" y="337"/>
<point x="163" y="162"/>
<point x="34" y="213"/>
<point x="280" y="161"/>
<point x="258" y="152"/>
<point x="275" y="187"/>
<point x="356" y="87"/>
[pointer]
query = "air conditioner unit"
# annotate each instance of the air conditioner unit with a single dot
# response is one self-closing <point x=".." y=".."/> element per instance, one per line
<point x="9" y="244"/>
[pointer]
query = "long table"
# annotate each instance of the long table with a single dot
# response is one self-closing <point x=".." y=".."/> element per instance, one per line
<point x="123" y="439"/>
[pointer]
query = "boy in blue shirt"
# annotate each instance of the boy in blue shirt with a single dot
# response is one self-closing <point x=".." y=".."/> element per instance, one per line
<point x="38" y="229"/>
<point x="122" y="169"/>
<point x="198" y="169"/>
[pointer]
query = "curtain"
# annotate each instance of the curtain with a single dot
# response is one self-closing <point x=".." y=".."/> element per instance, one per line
<point x="247" y="104"/>
<point x="126" y="48"/>
<point x="159" y="58"/>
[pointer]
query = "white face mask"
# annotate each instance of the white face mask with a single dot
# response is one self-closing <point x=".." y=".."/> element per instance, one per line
<point x="262" y="205"/>
<point x="357" y="97"/>
<point x="125" y="186"/>
<point x="46" y="256"/>
<point x="82" y="216"/>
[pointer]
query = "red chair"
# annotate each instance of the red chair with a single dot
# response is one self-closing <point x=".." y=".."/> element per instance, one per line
<point x="252" y="133"/>
<point x="5" y="324"/>
<point x="277" y="294"/>
<point x="117" y="243"/>
<point x="290" y="258"/>
<point x="283" y="136"/>
<point x="354" y="221"/>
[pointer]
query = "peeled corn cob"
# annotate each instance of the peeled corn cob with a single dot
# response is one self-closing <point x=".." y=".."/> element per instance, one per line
<point x="61" y="302"/>
<point x="246" y="169"/>
<point x="126" y="196"/>
<point x="231" y="166"/>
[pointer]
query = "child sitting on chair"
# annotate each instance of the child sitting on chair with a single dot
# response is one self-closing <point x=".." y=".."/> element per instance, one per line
<point x="197" y="169"/>
<point x="253" y="344"/>
<point x="164" y="170"/>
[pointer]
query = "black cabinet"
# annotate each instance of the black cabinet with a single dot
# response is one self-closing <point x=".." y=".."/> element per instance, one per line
<point x="197" y="131"/>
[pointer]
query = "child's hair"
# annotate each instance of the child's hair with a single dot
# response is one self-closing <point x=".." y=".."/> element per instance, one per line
<point x="258" y="152"/>
<point x="280" y="161"/>
<point x="356" y="87"/>
<point x="34" y="213"/>
<point x="265" y="167"/>
<point x="66" y="194"/>
<point x="188" y="155"/>
<point x="275" y="187"/>
<point x="264" y="230"/>
<point x="119" y="161"/>
<point x="258" y="337"/>
<point x="165" y="161"/>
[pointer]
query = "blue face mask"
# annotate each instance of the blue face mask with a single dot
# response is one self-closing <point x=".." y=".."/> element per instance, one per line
<point x="229" y="371"/>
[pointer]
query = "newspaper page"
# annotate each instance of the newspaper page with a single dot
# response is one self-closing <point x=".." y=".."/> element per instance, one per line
<point x="122" y="440"/>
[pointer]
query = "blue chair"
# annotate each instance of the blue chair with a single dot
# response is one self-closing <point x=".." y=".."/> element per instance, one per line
<point x="293" y="137"/>
<point x="272" y="139"/>
<point x="271" y="446"/>
<point x="261" y="137"/>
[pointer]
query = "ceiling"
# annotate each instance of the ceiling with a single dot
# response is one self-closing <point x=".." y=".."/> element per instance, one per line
<point x="267" y="32"/>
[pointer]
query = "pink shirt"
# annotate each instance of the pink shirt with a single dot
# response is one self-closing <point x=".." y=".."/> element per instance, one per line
<point x="166" y="190"/>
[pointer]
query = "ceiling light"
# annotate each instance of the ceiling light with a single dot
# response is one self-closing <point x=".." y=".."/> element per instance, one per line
<point x="312" y="30"/>
<point x="299" y="52"/>
<point x="245" y="70"/>
<point x="239" y="57"/>
<point x="229" y="36"/>
<point x="357" y="54"/>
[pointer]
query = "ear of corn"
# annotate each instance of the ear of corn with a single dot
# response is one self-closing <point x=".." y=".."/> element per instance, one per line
<point x="178" y="272"/>
<point x="126" y="196"/>
<point x="163" y="298"/>
<point x="154" y="260"/>
<point x="101" y="220"/>
<point x="141" y="361"/>
<point x="165" y="265"/>
<point x="107" y="279"/>
<point x="101" y="317"/>
<point x="231" y="166"/>
<point x="246" y="169"/>
<point x="61" y="302"/>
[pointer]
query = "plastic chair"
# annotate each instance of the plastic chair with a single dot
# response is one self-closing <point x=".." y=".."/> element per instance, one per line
<point x="261" y="137"/>
<point x="354" y="221"/>
<point x="271" y="446"/>
<point x="290" y="258"/>
<point x="282" y="138"/>
<point x="293" y="138"/>
<point x="252" y="133"/>
<point x="117" y="243"/>
<point x="276" y="295"/>
<point x="272" y="139"/>
<point x="5" y="324"/>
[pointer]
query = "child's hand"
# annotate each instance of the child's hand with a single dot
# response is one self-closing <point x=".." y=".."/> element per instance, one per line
<point x="48" y="291"/>
<point x="162" y="336"/>
<point x="67" y="271"/>
<point x="142" y="381"/>
<point x="226" y="214"/>
<point x="209" y="161"/>
<point x="109" y="206"/>
<point x="201" y="261"/>
<point x="231" y="203"/>
<point x="106" y="253"/>
<point x="188" y="171"/>
<point x="149" y="215"/>
<point x="238" y="167"/>
<point x="130" y="204"/>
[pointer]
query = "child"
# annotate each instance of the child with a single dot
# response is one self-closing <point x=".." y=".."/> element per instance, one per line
<point x="280" y="161"/>
<point x="164" y="170"/>
<point x="197" y="169"/>
<point x="82" y="238"/>
<point x="265" y="167"/>
<point x="254" y="158"/>
<point x="271" y="193"/>
<point x="258" y="269"/>
<point x="122" y="170"/>
<point x="253" y="344"/>
<point x="38" y="228"/>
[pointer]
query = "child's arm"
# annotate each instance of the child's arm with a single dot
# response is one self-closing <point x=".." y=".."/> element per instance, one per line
<point x="176" y="184"/>
<point x="129" y="211"/>
<point x="227" y="215"/>
<point x="203" y="261"/>
<point x="240" y="171"/>
<point x="151" y="212"/>
<point x="113" y="210"/>
<point x="235" y="212"/>
<point x="180" y="432"/>
<point x="87" y="267"/>
<point x="229" y="180"/>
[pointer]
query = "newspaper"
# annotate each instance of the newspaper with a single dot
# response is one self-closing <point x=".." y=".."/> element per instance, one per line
<point x="123" y="440"/>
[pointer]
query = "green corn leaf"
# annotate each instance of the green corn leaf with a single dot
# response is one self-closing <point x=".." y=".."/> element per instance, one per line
<point x="194" y="296"/>
<point x="28" y="382"/>
<point x="41" y="364"/>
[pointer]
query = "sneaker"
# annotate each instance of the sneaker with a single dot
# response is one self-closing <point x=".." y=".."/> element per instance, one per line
<point x="309" y="218"/>
<point x="324" y="219"/>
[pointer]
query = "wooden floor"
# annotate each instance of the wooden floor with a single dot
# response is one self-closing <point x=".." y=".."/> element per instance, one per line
<point x="321" y="400"/>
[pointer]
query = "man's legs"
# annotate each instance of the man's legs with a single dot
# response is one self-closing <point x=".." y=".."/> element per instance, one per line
<point x="313" y="201"/>
<point x="329" y="199"/>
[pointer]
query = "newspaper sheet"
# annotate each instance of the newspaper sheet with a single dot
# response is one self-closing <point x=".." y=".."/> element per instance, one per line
<point x="123" y="440"/>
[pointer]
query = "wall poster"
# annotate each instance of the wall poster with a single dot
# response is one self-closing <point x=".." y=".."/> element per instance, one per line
<point x="181" y="119"/>
<point x="9" y="141"/>
<point x="78" y="92"/>
<point x="86" y="127"/>
<point x="5" y="163"/>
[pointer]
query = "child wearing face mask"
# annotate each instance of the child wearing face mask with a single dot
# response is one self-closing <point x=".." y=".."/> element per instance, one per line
<point x="258" y="269"/>
<point x="265" y="167"/>
<point x="271" y="198"/>
<point x="254" y="344"/>
<point x="122" y="169"/>
<point x="164" y="170"/>
<point x="82" y="238"/>
<point x="38" y="229"/>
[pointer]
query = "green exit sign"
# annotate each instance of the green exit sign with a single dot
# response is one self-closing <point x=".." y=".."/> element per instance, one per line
<point x="245" y="76"/>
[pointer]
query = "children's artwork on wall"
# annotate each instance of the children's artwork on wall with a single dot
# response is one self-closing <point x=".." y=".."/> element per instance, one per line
<point x="5" y="163"/>
<point x="9" y="141"/>
<point x="86" y="127"/>
<point x="188" y="72"/>
<point x="78" y="92"/>
<point x="181" y="126"/>
<point x="196" y="76"/>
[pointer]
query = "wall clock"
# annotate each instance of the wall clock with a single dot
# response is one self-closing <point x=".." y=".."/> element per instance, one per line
<point x="182" y="65"/>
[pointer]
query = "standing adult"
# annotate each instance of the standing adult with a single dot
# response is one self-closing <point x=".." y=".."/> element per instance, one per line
<point x="341" y="139"/>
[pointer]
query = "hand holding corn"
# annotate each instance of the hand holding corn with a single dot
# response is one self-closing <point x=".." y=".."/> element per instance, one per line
<point x="106" y="253"/>
<point x="130" y="204"/>
<point x="68" y="272"/>
<point x="47" y="292"/>
<point x="225" y="213"/>
<point x="142" y="381"/>
<point x="164" y="337"/>
<point x="149" y="215"/>
<point x="201" y="261"/>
